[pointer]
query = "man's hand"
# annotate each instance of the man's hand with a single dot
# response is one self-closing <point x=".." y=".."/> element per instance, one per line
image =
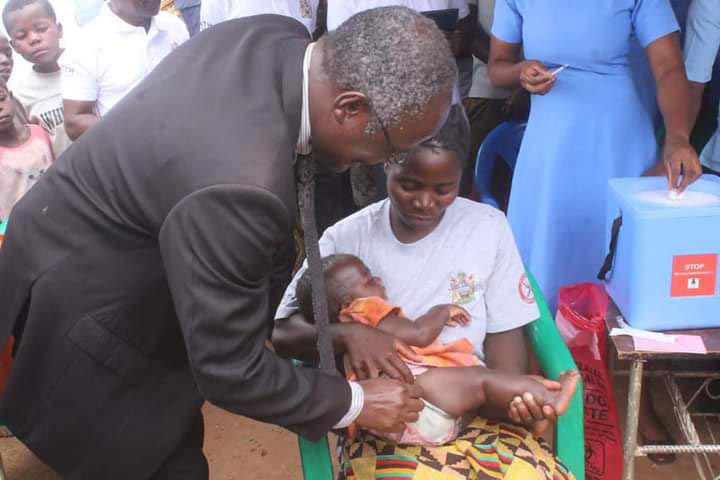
<point x="535" y="77"/>
<point x="371" y="352"/>
<point x="389" y="405"/>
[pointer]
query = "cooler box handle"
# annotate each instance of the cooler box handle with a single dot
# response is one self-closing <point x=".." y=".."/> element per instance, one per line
<point x="607" y="264"/>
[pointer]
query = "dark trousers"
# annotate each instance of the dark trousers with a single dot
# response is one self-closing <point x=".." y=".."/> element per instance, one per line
<point x="710" y="171"/>
<point x="187" y="462"/>
<point x="484" y="115"/>
<point x="333" y="198"/>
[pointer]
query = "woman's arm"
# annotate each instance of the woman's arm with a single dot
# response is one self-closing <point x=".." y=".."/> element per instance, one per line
<point x="507" y="70"/>
<point x="679" y="158"/>
<point x="507" y="351"/>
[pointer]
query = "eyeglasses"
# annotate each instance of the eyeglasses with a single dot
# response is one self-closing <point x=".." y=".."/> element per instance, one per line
<point x="394" y="155"/>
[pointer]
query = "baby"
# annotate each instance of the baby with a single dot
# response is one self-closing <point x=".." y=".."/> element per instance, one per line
<point x="355" y="295"/>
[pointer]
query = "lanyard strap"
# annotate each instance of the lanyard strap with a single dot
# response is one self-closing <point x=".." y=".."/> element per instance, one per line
<point x="306" y="178"/>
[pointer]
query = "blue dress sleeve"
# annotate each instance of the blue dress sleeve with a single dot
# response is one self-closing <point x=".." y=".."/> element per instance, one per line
<point x="702" y="40"/>
<point x="653" y="19"/>
<point x="507" y="22"/>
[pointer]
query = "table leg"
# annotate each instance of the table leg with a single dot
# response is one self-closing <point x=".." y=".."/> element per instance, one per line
<point x="633" y="415"/>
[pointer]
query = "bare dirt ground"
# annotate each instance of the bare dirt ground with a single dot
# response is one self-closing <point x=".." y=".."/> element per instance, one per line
<point x="241" y="449"/>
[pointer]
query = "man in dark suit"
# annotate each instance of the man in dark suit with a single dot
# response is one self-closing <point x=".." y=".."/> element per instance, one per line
<point x="141" y="273"/>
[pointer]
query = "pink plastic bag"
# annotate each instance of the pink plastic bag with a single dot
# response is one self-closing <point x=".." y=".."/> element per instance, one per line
<point x="581" y="321"/>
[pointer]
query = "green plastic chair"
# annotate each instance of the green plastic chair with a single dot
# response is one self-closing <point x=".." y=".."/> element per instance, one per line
<point x="554" y="358"/>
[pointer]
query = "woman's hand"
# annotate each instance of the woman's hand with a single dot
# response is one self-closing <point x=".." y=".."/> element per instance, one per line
<point x="372" y="352"/>
<point x="682" y="165"/>
<point x="535" y="77"/>
<point x="525" y="410"/>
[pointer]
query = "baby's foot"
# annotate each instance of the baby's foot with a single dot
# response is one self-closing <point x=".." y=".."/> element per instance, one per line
<point x="569" y="381"/>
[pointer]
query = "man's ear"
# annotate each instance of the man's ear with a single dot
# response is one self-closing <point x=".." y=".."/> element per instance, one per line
<point x="60" y="30"/>
<point x="351" y="106"/>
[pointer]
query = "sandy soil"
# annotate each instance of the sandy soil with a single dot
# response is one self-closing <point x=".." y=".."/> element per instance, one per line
<point x="241" y="449"/>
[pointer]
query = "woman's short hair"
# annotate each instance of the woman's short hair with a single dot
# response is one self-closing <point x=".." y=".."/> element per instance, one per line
<point x="454" y="135"/>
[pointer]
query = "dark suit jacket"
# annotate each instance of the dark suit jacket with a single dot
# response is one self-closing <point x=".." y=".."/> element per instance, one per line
<point x="141" y="267"/>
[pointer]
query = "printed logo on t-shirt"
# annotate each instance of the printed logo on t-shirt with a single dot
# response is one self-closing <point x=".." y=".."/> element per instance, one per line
<point x="52" y="118"/>
<point x="525" y="290"/>
<point x="462" y="288"/>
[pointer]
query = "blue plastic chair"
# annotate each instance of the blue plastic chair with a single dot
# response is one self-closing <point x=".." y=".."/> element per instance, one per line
<point x="503" y="142"/>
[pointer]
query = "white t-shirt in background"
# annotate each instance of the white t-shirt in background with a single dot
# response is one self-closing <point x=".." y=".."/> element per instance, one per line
<point x="482" y="87"/>
<point x="110" y="57"/>
<point x="213" y="12"/>
<point x="41" y="95"/>
<point x="470" y="259"/>
<point x="340" y="10"/>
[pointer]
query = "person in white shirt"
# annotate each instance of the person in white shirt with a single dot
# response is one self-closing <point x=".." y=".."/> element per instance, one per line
<point x="341" y="10"/>
<point x="112" y="54"/>
<point x="213" y="12"/>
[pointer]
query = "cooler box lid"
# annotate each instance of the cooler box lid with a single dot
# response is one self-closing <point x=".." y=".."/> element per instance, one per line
<point x="649" y="197"/>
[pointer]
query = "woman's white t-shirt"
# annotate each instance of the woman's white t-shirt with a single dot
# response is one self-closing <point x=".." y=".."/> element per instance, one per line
<point x="470" y="259"/>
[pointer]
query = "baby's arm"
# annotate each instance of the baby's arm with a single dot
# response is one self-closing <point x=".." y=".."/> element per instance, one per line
<point x="423" y="331"/>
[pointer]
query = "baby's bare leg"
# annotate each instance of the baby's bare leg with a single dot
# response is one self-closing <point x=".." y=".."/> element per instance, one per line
<point x="456" y="390"/>
<point x="461" y="390"/>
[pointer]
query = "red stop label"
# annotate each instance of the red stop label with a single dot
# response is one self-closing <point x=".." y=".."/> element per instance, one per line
<point x="694" y="275"/>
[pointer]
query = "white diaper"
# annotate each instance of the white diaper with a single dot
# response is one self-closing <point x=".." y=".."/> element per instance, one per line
<point x="433" y="427"/>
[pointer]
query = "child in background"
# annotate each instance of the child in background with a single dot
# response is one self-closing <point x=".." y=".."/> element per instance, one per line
<point x="355" y="295"/>
<point x="6" y="68"/>
<point x="35" y="34"/>
<point x="25" y="154"/>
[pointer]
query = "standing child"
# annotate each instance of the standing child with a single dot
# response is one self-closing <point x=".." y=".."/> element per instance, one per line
<point x="35" y="34"/>
<point x="25" y="154"/>
<point x="6" y="68"/>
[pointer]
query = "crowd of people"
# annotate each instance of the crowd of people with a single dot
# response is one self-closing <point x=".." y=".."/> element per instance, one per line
<point x="147" y="153"/>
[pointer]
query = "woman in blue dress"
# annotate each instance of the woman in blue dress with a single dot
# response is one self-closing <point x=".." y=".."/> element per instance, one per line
<point x="588" y="123"/>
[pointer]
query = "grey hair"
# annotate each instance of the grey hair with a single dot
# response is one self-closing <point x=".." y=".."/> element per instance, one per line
<point x="395" y="56"/>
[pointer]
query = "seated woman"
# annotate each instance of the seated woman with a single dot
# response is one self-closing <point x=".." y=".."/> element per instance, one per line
<point x="432" y="248"/>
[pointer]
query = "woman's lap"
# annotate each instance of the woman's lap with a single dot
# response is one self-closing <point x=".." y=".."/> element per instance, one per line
<point x="484" y="450"/>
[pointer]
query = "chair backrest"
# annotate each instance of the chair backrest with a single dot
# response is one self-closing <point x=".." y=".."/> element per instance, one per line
<point x="503" y="142"/>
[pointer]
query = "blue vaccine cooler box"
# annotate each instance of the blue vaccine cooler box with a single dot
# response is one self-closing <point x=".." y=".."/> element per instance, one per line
<point x="664" y="272"/>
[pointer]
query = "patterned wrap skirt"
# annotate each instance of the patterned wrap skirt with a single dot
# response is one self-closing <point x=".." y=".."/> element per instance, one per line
<point x="485" y="449"/>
